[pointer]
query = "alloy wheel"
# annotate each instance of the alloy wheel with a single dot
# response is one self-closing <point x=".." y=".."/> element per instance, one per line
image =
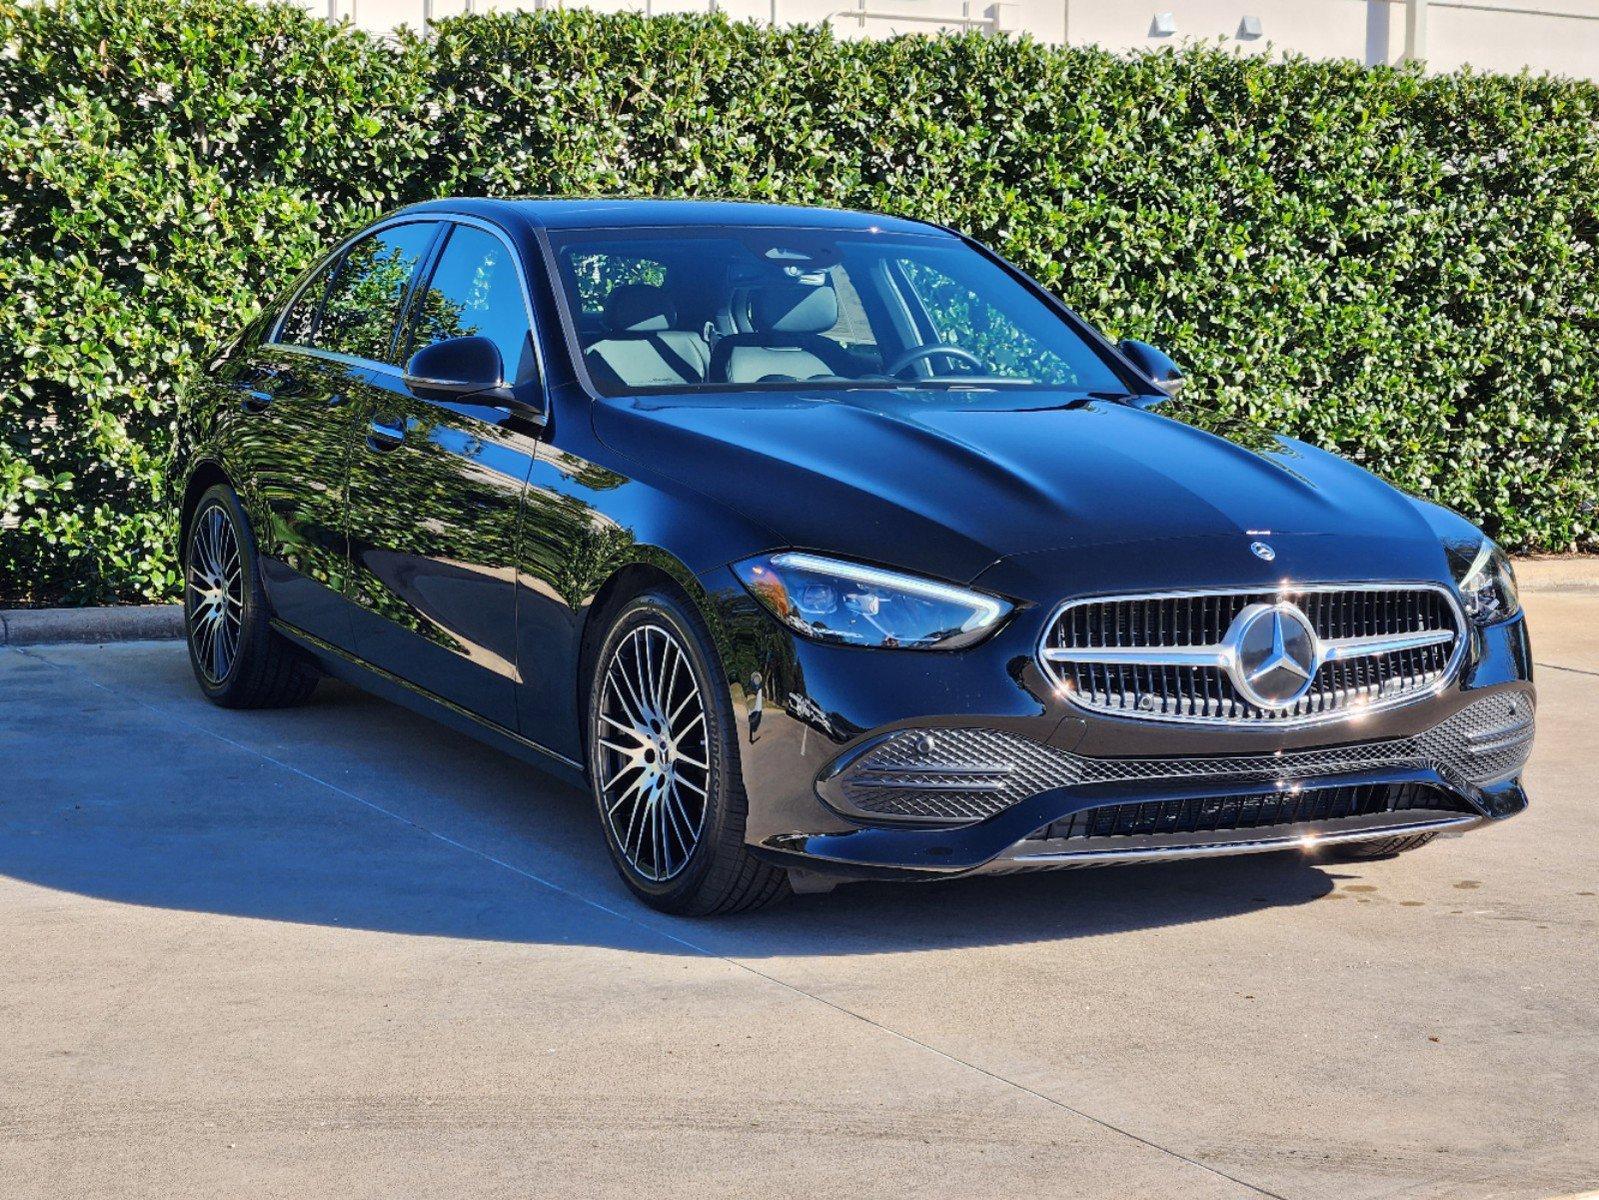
<point x="215" y="593"/>
<point x="654" y="752"/>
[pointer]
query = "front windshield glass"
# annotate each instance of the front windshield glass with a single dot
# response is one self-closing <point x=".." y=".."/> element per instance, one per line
<point x="751" y="309"/>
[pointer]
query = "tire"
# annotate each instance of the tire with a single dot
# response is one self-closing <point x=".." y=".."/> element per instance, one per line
<point x="1376" y="848"/>
<point x="238" y="660"/>
<point x="664" y="765"/>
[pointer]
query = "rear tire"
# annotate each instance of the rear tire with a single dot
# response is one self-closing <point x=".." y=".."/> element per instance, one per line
<point x="664" y="765"/>
<point x="238" y="660"/>
<point x="1378" y="848"/>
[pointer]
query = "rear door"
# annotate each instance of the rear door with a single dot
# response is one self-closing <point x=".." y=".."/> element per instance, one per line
<point x="303" y="391"/>
<point x="436" y="490"/>
<point x="288" y="446"/>
<point x="299" y="397"/>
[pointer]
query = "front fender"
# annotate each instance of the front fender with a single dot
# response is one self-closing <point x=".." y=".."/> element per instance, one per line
<point x="592" y="521"/>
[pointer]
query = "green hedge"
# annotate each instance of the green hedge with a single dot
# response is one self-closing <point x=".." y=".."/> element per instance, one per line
<point x="1399" y="267"/>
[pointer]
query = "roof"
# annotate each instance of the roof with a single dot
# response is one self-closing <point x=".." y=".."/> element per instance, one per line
<point x="640" y="213"/>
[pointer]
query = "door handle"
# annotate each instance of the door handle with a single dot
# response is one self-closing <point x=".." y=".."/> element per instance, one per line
<point x="384" y="435"/>
<point x="255" y="400"/>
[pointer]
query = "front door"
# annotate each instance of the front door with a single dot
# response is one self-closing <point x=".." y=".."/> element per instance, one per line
<point x="436" y="491"/>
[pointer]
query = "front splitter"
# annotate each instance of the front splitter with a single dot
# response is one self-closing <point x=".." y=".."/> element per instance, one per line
<point x="994" y="845"/>
<point x="1176" y="849"/>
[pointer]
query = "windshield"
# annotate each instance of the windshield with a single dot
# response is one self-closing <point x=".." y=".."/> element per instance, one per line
<point x="751" y="309"/>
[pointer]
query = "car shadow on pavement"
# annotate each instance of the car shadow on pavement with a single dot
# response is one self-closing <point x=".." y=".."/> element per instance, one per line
<point x="357" y="814"/>
<point x="866" y="918"/>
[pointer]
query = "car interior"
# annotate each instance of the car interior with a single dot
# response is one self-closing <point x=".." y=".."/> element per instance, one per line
<point x="749" y="309"/>
<point x="760" y="334"/>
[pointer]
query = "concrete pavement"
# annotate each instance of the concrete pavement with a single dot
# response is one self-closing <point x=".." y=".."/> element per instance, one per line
<point x="339" y="948"/>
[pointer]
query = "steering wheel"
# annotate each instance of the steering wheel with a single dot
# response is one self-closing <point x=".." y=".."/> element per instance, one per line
<point x="932" y="351"/>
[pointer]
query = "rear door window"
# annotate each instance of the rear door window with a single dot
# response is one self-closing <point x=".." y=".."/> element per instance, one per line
<point x="298" y="326"/>
<point x="364" y="298"/>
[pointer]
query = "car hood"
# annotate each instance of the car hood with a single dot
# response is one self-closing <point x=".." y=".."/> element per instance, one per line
<point x="946" y="484"/>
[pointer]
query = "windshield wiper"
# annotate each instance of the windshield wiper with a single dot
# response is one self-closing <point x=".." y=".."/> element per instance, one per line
<point x="1134" y="399"/>
<point x="978" y="381"/>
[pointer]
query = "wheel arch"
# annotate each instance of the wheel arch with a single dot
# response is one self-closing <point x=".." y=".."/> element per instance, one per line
<point x="207" y="473"/>
<point x="646" y="567"/>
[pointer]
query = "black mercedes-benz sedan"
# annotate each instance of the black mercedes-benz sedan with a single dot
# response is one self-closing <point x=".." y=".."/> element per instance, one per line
<point x="819" y="545"/>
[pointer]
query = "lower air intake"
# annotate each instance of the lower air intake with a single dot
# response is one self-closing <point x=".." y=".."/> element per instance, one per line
<point x="1275" y="809"/>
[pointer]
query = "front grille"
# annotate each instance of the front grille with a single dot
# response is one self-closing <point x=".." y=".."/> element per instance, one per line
<point x="955" y="776"/>
<point x="1372" y="643"/>
<point x="1273" y="809"/>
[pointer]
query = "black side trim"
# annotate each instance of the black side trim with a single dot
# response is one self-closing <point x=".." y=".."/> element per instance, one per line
<point x="343" y="665"/>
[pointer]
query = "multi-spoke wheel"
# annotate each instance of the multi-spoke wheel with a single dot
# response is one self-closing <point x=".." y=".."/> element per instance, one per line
<point x="238" y="659"/>
<point x="215" y="593"/>
<point x="663" y="761"/>
<point x="654" y="754"/>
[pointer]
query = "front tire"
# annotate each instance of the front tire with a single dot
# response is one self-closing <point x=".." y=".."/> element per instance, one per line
<point x="238" y="660"/>
<point x="664" y="765"/>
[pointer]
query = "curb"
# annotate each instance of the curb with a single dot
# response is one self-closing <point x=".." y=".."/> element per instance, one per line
<point x="129" y="623"/>
<point x="1577" y="574"/>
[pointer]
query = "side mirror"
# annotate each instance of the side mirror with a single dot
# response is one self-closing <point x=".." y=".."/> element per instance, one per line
<point x="1153" y="365"/>
<point x="457" y="368"/>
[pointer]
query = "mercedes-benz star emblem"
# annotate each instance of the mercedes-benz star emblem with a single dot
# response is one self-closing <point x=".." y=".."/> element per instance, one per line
<point x="1275" y="653"/>
<point x="1262" y="551"/>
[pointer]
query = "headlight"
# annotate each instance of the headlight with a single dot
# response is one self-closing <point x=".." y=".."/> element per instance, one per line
<point x="835" y="601"/>
<point x="1486" y="580"/>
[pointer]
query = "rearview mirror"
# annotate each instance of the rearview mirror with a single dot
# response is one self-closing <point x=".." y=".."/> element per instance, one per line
<point x="1153" y="365"/>
<point x="457" y="368"/>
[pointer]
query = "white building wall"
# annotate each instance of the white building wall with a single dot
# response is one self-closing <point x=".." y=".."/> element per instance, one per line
<point x="1558" y="36"/>
<point x="1563" y="38"/>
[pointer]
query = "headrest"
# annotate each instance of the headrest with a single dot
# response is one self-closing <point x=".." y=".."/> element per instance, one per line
<point x="638" y="307"/>
<point x="793" y="308"/>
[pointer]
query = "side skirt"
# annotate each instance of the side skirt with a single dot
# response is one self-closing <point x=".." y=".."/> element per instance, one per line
<point x="388" y="686"/>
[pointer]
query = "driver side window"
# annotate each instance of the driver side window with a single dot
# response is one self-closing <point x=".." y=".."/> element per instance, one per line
<point x="960" y="317"/>
<point x="476" y="291"/>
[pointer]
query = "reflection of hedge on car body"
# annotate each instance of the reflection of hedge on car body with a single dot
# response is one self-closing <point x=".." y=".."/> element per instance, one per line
<point x="1399" y="267"/>
<point x="363" y="314"/>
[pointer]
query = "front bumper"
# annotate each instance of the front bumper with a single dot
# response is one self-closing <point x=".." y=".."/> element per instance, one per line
<point x="1017" y="840"/>
<point x="812" y="717"/>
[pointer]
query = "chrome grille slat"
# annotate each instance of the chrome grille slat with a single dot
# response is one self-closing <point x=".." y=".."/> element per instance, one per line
<point x="1155" y="656"/>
